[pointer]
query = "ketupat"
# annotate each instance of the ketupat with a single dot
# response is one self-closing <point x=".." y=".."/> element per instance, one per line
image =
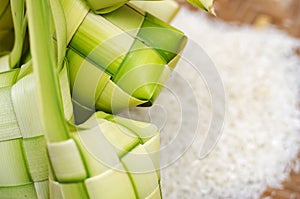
<point x="111" y="47"/>
<point x="26" y="134"/>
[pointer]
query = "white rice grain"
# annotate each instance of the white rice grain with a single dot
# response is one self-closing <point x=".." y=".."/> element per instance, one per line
<point x="261" y="136"/>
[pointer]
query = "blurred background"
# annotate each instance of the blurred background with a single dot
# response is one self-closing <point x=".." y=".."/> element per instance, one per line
<point x="284" y="15"/>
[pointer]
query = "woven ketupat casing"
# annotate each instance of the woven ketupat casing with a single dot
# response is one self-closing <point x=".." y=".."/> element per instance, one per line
<point x="23" y="168"/>
<point x="132" y="53"/>
<point x="127" y="56"/>
<point x="105" y="157"/>
<point x="24" y="162"/>
<point x="112" y="159"/>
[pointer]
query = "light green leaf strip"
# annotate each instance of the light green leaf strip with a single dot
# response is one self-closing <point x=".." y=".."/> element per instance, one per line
<point x="46" y="78"/>
<point x="24" y="94"/>
<point x="121" y="138"/>
<point x="108" y="9"/>
<point x="55" y="190"/>
<point x="37" y="190"/>
<point x="105" y="6"/>
<point x="172" y="64"/>
<point x="99" y="92"/>
<point x="96" y="151"/>
<point x="161" y="82"/>
<point x="60" y="31"/>
<point x="141" y="170"/>
<point x="152" y="146"/>
<point x="148" y="134"/>
<point x="4" y="63"/>
<point x="139" y="77"/>
<point x="66" y="191"/>
<point x="42" y="189"/>
<point x="165" y="10"/>
<point x="102" y="42"/>
<point x="66" y="152"/>
<point x="66" y="93"/>
<point x="19" y="192"/>
<point x="206" y="5"/>
<point x="13" y="169"/>
<point x="9" y="128"/>
<point x="152" y="31"/>
<point x="165" y="39"/>
<point x="8" y="78"/>
<point x="149" y="138"/>
<point x="155" y="194"/>
<point x="25" y="70"/>
<point x="20" y="24"/>
<point x="83" y="91"/>
<point x="127" y="19"/>
<point x="36" y="159"/>
<point x="143" y="130"/>
<point x="114" y="99"/>
<point x="75" y="12"/>
<point x="111" y="184"/>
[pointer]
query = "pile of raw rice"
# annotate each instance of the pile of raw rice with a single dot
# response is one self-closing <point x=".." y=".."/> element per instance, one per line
<point x="260" y="139"/>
